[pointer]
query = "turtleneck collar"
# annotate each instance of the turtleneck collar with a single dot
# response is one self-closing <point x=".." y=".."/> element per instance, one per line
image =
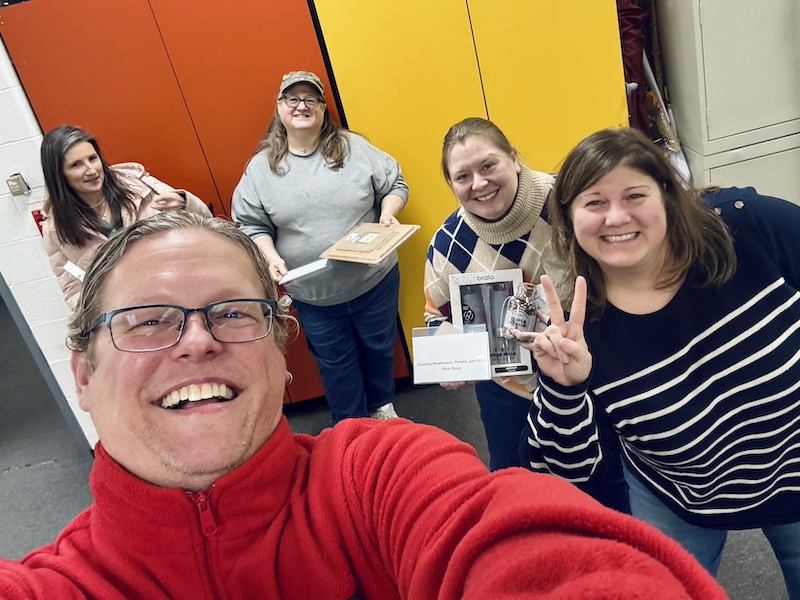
<point x="525" y="210"/>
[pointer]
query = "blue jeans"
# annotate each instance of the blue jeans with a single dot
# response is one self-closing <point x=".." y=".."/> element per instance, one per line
<point x="353" y="344"/>
<point x="706" y="544"/>
<point x="504" y="417"/>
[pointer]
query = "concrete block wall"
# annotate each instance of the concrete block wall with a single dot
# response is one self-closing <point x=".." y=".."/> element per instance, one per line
<point x="23" y="262"/>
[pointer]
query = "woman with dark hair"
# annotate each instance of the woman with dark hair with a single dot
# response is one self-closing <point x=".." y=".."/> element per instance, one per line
<point x="499" y="225"/>
<point x="684" y="333"/>
<point x="308" y="184"/>
<point x="89" y="201"/>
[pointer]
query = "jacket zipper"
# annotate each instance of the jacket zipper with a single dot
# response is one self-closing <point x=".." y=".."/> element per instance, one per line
<point x="207" y="521"/>
<point x="208" y="526"/>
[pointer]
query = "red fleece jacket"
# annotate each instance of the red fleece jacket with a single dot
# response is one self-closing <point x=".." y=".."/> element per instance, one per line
<point x="377" y="511"/>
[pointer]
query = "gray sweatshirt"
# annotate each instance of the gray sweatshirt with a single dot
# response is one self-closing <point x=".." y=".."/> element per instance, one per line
<point x="311" y="207"/>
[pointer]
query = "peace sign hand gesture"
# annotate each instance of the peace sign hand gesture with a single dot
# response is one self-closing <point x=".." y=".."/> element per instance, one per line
<point x="560" y="350"/>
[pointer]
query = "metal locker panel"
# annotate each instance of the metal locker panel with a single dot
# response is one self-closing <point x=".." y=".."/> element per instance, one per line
<point x="228" y="60"/>
<point x="552" y="73"/>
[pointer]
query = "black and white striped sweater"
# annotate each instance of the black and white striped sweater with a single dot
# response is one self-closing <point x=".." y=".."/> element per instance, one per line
<point x="704" y="394"/>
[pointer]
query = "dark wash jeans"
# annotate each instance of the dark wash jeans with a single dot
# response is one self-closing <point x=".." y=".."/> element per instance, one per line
<point x="504" y="416"/>
<point x="353" y="344"/>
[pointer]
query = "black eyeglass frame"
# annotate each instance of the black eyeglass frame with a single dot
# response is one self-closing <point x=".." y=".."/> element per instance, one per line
<point x="317" y="101"/>
<point x="106" y="317"/>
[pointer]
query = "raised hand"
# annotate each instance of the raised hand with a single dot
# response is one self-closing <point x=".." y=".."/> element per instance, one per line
<point x="560" y="350"/>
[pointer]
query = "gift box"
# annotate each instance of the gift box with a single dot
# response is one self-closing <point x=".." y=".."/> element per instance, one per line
<point x="478" y="302"/>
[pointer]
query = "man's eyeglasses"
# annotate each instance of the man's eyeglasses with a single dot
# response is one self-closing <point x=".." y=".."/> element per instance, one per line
<point x="160" y="326"/>
<point x="294" y="101"/>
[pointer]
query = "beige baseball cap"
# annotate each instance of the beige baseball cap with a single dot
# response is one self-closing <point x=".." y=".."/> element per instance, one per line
<point x="295" y="77"/>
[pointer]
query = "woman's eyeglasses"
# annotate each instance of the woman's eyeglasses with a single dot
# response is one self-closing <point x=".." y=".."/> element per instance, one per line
<point x="294" y="101"/>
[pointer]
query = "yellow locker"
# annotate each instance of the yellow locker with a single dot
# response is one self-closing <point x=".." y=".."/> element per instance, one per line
<point x="548" y="73"/>
<point x="551" y="71"/>
<point x="406" y="72"/>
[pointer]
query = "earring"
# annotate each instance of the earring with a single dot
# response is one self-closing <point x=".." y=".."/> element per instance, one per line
<point x="289" y="379"/>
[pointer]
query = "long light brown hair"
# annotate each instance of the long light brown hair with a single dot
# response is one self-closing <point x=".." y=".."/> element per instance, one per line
<point x="333" y="142"/>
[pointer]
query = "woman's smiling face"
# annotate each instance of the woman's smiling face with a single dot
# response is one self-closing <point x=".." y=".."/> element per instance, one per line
<point x="83" y="169"/>
<point x="301" y="117"/>
<point x="621" y="222"/>
<point x="484" y="178"/>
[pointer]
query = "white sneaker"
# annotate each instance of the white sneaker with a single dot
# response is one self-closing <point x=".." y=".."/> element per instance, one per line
<point x="384" y="413"/>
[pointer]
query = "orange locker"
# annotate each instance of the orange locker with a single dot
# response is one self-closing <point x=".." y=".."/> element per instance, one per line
<point x="228" y="60"/>
<point x="185" y="88"/>
<point x="102" y="65"/>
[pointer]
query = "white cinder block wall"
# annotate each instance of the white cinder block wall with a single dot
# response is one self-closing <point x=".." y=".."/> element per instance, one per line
<point x="23" y="262"/>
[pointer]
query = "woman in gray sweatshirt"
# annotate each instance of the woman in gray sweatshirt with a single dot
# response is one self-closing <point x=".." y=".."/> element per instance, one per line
<point x="308" y="184"/>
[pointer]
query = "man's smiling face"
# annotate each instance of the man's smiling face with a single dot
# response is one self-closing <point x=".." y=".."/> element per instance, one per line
<point x="241" y="384"/>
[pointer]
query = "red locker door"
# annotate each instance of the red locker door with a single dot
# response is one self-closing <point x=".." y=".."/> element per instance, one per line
<point x="228" y="64"/>
<point x="231" y="86"/>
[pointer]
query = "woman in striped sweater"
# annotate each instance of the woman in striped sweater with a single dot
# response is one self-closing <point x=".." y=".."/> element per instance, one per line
<point x="687" y="343"/>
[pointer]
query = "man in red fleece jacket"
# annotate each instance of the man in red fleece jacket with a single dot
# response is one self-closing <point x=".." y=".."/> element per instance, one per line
<point x="202" y="492"/>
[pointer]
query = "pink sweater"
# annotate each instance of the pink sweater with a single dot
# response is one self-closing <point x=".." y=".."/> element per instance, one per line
<point x="145" y="188"/>
<point x="377" y="511"/>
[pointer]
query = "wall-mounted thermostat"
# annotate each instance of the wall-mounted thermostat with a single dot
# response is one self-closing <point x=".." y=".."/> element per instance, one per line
<point x="17" y="184"/>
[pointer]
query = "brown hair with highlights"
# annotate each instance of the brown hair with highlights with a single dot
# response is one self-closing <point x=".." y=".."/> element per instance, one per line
<point x="697" y="237"/>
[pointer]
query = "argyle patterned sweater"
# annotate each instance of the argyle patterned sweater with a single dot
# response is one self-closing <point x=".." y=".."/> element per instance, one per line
<point x="468" y="244"/>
